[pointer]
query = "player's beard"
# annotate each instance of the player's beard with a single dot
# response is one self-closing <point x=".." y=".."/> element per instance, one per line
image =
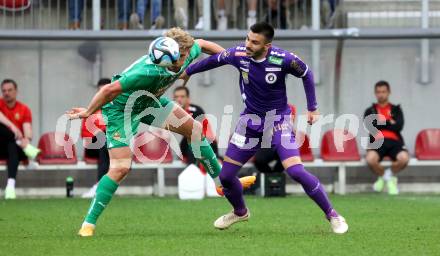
<point x="256" y="54"/>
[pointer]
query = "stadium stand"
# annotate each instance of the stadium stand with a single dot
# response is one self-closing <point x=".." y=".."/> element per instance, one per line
<point x="427" y="154"/>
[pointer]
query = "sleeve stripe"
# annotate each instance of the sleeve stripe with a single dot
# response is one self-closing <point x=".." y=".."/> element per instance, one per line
<point x="305" y="72"/>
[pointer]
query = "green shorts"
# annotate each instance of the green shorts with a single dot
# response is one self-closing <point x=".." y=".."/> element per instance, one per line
<point x="121" y="128"/>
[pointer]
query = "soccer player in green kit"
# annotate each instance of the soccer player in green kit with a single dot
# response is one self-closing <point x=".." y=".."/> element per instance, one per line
<point x="135" y="96"/>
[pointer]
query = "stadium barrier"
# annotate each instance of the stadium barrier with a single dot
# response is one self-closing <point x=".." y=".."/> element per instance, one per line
<point x="341" y="165"/>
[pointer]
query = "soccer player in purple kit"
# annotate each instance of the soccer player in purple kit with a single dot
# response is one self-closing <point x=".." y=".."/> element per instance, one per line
<point x="263" y="69"/>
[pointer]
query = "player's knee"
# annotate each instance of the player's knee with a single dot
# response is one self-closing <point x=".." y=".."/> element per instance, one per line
<point x="119" y="173"/>
<point x="403" y="158"/>
<point x="372" y="158"/>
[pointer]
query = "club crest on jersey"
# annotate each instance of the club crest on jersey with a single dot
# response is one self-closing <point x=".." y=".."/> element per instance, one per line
<point x="275" y="60"/>
<point x="116" y="136"/>
<point x="271" y="78"/>
<point x="17" y="116"/>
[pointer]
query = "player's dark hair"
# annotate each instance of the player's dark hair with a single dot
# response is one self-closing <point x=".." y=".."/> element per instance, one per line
<point x="382" y="83"/>
<point x="7" y="81"/>
<point x="103" y="81"/>
<point x="265" y="29"/>
<point x="182" y="88"/>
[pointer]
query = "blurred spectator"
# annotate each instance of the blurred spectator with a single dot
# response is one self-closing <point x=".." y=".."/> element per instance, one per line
<point x="393" y="145"/>
<point x="265" y="156"/>
<point x="15" y="133"/>
<point x="181" y="14"/>
<point x="137" y="18"/>
<point x="329" y="16"/>
<point x="75" y="13"/>
<point x="91" y="136"/>
<point x="222" y="22"/>
<point x="181" y="97"/>
<point x="277" y="13"/>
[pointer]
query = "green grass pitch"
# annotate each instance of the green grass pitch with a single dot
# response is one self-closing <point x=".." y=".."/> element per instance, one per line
<point x="379" y="225"/>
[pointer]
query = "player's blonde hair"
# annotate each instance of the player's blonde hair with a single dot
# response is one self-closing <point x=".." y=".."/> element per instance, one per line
<point x="183" y="38"/>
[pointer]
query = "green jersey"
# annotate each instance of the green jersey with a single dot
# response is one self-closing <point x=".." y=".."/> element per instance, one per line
<point x="143" y="74"/>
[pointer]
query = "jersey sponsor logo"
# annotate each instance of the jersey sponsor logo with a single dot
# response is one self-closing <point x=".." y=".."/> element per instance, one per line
<point x="240" y="54"/>
<point x="241" y="48"/>
<point x="296" y="66"/>
<point x="275" y="60"/>
<point x="245" y="76"/>
<point x="225" y="54"/>
<point x="279" y="54"/>
<point x="272" y="69"/>
<point x="271" y="78"/>
<point x="238" y="140"/>
<point x="244" y="63"/>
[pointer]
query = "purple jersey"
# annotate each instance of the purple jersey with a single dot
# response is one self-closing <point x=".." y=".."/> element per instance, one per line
<point x="263" y="82"/>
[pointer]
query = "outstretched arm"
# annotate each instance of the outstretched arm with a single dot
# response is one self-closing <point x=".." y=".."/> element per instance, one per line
<point x="106" y="94"/>
<point x="209" y="47"/>
<point x="298" y="68"/>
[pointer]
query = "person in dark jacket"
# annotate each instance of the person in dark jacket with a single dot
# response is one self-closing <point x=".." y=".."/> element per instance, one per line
<point x="388" y="126"/>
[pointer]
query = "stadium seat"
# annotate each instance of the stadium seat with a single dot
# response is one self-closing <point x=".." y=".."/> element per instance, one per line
<point x="342" y="140"/>
<point x="427" y="146"/>
<point x="15" y="5"/>
<point x="53" y="153"/>
<point x="304" y="150"/>
<point x="151" y="148"/>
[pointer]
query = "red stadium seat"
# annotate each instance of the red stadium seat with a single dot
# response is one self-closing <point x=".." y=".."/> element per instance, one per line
<point x="54" y="153"/>
<point x="339" y="145"/>
<point x="151" y="148"/>
<point x="304" y="150"/>
<point x="14" y="5"/>
<point x="427" y="146"/>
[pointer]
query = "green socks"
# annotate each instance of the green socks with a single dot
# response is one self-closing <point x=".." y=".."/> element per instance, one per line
<point x="104" y="193"/>
<point x="206" y="156"/>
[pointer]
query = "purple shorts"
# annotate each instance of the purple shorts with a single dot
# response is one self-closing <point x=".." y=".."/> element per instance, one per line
<point x="253" y="132"/>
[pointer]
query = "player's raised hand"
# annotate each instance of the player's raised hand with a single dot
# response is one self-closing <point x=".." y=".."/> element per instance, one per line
<point x="76" y="113"/>
<point x="312" y="116"/>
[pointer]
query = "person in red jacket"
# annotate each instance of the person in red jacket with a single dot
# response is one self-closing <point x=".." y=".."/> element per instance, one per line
<point x="393" y="145"/>
<point x="90" y="135"/>
<point x="15" y="133"/>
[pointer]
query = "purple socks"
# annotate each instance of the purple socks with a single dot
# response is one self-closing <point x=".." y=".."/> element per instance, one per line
<point x="312" y="187"/>
<point x="234" y="191"/>
<point x="232" y="187"/>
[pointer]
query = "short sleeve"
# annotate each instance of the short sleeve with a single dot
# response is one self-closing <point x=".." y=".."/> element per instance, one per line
<point x="27" y="117"/>
<point x="195" y="51"/>
<point x="295" y="66"/>
<point x="129" y="81"/>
